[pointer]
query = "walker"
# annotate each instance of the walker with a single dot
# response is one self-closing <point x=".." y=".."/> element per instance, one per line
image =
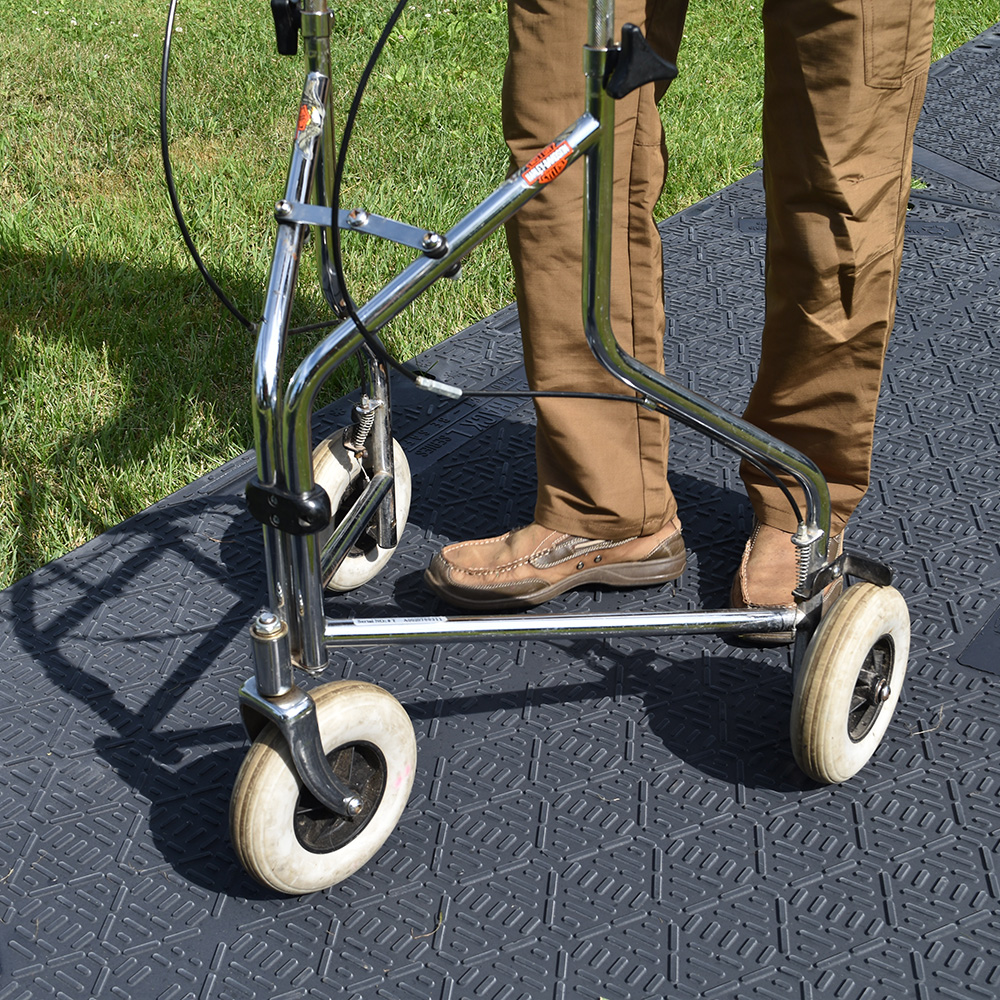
<point x="330" y="769"/>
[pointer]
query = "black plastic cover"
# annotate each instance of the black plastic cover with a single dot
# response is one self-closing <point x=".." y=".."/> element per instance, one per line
<point x="295" y="513"/>
<point x="636" y="64"/>
<point x="287" y="21"/>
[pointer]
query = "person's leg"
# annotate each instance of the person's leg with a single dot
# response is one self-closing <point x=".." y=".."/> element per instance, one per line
<point x="844" y="83"/>
<point x="602" y="465"/>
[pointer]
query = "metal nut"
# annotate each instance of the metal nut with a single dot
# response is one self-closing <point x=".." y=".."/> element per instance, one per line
<point x="267" y="623"/>
<point x="432" y="242"/>
<point x="882" y="692"/>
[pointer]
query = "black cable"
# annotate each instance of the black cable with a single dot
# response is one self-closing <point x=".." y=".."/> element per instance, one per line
<point x="769" y="472"/>
<point x="374" y="343"/>
<point x="169" y="175"/>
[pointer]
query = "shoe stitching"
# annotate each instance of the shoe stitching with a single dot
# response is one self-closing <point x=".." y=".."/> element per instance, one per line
<point x="567" y="583"/>
<point x="476" y="541"/>
<point x="744" y="582"/>
<point x="455" y="546"/>
<point x="508" y="567"/>
<point x="502" y="567"/>
<point x="586" y="546"/>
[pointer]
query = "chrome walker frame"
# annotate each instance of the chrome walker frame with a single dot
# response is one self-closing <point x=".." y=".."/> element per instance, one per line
<point x="293" y="631"/>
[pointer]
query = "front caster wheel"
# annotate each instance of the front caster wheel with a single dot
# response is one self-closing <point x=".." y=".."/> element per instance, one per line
<point x="282" y="835"/>
<point x="339" y="471"/>
<point x="849" y="682"/>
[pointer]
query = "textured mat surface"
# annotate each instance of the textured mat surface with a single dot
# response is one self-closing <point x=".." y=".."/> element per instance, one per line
<point x="615" y="819"/>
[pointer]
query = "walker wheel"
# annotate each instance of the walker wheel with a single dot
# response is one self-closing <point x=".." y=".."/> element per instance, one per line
<point x="282" y="835"/>
<point x="849" y="682"/>
<point x="341" y="474"/>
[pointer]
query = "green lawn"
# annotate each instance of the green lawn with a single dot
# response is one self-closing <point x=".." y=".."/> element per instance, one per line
<point x="123" y="379"/>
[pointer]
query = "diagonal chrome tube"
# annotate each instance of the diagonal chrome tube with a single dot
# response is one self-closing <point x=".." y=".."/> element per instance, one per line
<point x="354" y="522"/>
<point x="462" y="238"/>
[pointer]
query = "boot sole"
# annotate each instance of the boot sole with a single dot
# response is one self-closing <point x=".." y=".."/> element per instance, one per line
<point x="621" y="575"/>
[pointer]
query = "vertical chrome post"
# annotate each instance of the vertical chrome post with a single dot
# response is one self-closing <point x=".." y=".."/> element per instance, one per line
<point x="381" y="445"/>
<point x="601" y="30"/>
<point x="307" y="592"/>
<point x="312" y="159"/>
<point x="317" y="22"/>
<point x="657" y="391"/>
<point x="284" y="556"/>
<point x="599" y="189"/>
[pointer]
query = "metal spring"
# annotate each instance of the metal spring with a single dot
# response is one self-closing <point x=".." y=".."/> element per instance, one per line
<point x="365" y="414"/>
<point x="802" y="567"/>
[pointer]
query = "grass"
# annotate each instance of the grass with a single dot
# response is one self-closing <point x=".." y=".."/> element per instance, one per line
<point x="123" y="378"/>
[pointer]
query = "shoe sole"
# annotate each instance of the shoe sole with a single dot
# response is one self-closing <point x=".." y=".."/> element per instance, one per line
<point x="620" y="575"/>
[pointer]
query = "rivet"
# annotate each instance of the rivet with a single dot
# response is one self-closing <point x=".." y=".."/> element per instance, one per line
<point x="598" y="558"/>
<point x="579" y="565"/>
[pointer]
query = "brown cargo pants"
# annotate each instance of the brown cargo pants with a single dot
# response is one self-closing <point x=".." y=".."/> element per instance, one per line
<point x="844" y="83"/>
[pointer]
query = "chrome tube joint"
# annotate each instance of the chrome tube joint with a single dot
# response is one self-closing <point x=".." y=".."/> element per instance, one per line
<point x="294" y="715"/>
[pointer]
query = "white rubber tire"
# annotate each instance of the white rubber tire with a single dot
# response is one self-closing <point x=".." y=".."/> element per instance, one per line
<point x="336" y="469"/>
<point x="267" y="792"/>
<point x="865" y="620"/>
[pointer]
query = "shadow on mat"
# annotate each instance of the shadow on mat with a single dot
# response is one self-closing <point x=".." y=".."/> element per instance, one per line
<point x="121" y="627"/>
<point x="725" y="717"/>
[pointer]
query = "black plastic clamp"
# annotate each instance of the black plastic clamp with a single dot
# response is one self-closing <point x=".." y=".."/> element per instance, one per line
<point x="635" y="63"/>
<point x="294" y="513"/>
<point x="287" y="22"/>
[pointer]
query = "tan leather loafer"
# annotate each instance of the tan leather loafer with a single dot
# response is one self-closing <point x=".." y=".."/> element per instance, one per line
<point x="767" y="575"/>
<point x="531" y="565"/>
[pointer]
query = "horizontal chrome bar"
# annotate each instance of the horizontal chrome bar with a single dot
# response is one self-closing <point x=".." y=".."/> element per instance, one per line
<point x="352" y="632"/>
<point x="355" y="221"/>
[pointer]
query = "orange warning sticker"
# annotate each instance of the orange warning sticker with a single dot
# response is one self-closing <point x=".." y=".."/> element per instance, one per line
<point x="305" y="116"/>
<point x="548" y="164"/>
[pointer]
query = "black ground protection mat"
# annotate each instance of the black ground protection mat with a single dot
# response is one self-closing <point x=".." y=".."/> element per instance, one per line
<point x="617" y="819"/>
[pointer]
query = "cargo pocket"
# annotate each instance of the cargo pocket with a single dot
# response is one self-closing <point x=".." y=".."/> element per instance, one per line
<point x="897" y="39"/>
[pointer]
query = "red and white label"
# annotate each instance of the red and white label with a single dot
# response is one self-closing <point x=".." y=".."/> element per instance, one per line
<point x="548" y="164"/>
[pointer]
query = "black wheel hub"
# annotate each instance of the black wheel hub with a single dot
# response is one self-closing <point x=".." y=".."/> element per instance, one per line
<point x="362" y="768"/>
<point x="872" y="689"/>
